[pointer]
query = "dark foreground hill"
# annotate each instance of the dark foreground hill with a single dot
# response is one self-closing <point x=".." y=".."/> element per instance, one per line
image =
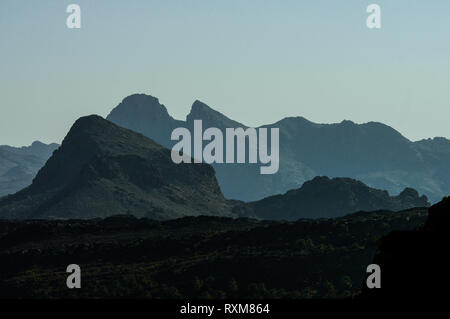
<point x="102" y="169"/>
<point x="414" y="264"/>
<point x="194" y="257"/>
<point x="323" y="197"/>
<point x="19" y="165"/>
<point x="373" y="153"/>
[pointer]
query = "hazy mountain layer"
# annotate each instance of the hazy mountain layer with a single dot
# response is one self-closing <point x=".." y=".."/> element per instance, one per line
<point x="328" y="198"/>
<point x="372" y="152"/>
<point x="102" y="169"/>
<point x="19" y="165"/>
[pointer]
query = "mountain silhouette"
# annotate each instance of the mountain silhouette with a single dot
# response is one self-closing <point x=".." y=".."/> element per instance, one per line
<point x="19" y="165"/>
<point x="328" y="198"/>
<point x="135" y="110"/>
<point x="102" y="169"/>
<point x="373" y="153"/>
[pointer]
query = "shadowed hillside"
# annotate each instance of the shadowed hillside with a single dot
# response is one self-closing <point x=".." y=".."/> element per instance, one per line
<point x="102" y="170"/>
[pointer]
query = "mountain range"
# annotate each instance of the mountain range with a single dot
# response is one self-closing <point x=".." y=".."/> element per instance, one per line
<point x="323" y="197"/>
<point x="19" y="165"/>
<point x="102" y="169"/>
<point x="373" y="153"/>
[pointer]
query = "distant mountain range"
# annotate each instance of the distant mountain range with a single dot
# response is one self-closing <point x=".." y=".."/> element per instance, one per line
<point x="102" y="169"/>
<point x="19" y="165"/>
<point x="373" y="153"/>
<point x="328" y="198"/>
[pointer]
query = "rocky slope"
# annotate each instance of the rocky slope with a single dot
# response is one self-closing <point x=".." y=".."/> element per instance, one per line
<point x="102" y="169"/>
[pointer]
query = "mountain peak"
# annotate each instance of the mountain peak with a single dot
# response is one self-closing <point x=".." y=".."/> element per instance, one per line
<point x="145" y="115"/>
<point x="200" y="109"/>
<point x="89" y="128"/>
<point x="141" y="105"/>
<point x="200" y="106"/>
<point x="348" y="122"/>
<point x="92" y="120"/>
<point x="41" y="147"/>
<point x="140" y="97"/>
<point x="209" y="116"/>
<point x="370" y="152"/>
<point x="37" y="144"/>
<point x="102" y="169"/>
<point x="142" y="100"/>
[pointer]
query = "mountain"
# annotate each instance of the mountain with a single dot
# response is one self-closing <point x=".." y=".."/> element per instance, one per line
<point x="102" y="169"/>
<point x="209" y="117"/>
<point x="373" y="153"/>
<point x="413" y="263"/>
<point x="19" y="165"/>
<point x="328" y="198"/>
<point x="135" y="110"/>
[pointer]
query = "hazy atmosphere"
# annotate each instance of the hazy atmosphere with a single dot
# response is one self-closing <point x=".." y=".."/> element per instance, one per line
<point x="131" y="168"/>
<point x="254" y="61"/>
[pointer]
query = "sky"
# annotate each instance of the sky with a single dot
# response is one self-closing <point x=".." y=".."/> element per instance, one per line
<point x="255" y="61"/>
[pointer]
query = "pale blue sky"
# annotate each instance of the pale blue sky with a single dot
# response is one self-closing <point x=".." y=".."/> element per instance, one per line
<point x="255" y="61"/>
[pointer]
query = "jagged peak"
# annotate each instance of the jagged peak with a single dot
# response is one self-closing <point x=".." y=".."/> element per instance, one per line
<point x="200" y="110"/>
<point x="199" y="105"/>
